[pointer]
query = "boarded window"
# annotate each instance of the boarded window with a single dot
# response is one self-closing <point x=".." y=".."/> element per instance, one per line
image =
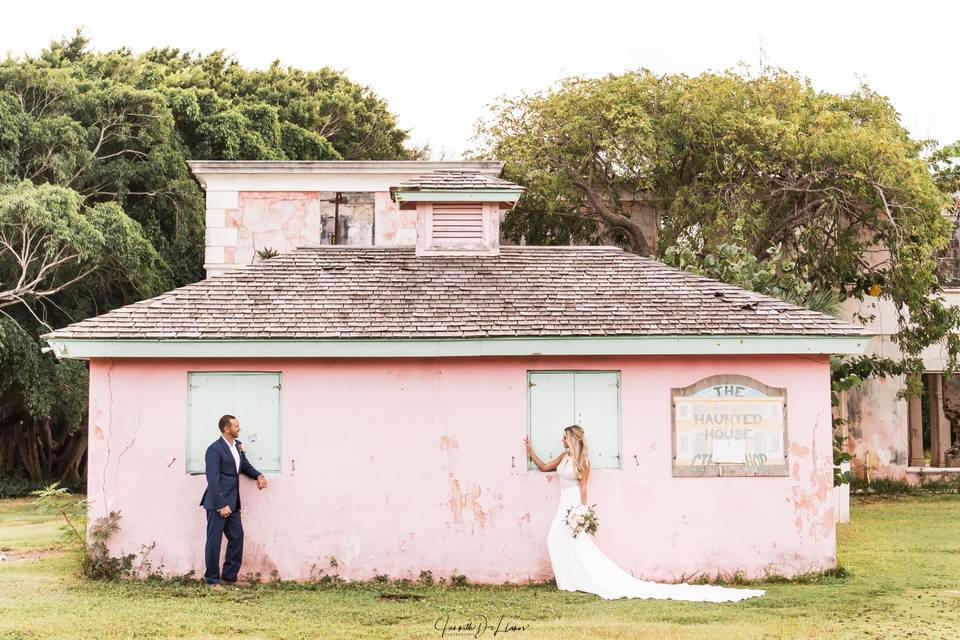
<point x="254" y="398"/>
<point x="457" y="223"/>
<point x="591" y="399"/>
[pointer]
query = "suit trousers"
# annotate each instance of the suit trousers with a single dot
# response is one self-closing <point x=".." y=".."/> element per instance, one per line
<point x="217" y="527"/>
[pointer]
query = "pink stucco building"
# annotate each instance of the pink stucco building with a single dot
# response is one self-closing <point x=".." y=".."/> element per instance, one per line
<point x="386" y="389"/>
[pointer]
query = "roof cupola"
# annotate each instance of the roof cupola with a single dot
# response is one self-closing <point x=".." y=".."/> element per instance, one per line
<point x="458" y="212"/>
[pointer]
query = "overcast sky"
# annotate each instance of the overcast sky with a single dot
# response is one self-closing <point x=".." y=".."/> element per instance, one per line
<point x="438" y="64"/>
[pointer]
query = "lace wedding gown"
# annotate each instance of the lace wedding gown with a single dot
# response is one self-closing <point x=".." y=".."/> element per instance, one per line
<point x="579" y="565"/>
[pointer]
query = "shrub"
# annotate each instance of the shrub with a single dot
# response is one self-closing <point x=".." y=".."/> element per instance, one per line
<point x="891" y="487"/>
<point x="15" y="487"/>
<point x="97" y="563"/>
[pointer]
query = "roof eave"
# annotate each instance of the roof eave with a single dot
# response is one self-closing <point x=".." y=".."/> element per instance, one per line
<point x="87" y="348"/>
<point x="456" y="195"/>
<point x="492" y="168"/>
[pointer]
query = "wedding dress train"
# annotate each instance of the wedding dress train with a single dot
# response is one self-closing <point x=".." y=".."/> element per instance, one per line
<point x="579" y="565"/>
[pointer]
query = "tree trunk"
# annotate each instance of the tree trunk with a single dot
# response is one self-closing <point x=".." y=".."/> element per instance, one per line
<point x="28" y="450"/>
<point x="42" y="450"/>
<point x="8" y="450"/>
<point x="605" y="214"/>
<point x="73" y="459"/>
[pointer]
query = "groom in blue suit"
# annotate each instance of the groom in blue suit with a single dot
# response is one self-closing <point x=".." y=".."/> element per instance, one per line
<point x="225" y="461"/>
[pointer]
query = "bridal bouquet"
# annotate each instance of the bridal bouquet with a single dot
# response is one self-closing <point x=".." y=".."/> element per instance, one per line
<point x="582" y="518"/>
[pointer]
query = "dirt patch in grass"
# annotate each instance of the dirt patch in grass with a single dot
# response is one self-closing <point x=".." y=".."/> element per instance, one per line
<point x="400" y="596"/>
<point x="7" y="557"/>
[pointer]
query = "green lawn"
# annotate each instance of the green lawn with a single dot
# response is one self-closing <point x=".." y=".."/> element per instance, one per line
<point x="902" y="557"/>
<point x="24" y="529"/>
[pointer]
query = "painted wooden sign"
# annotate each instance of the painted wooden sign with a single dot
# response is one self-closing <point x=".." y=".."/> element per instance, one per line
<point x="729" y="425"/>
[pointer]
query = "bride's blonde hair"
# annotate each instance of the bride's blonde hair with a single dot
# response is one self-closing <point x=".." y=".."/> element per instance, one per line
<point x="577" y="443"/>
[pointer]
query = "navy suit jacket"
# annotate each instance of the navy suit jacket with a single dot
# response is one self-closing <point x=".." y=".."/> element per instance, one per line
<point x="223" y="482"/>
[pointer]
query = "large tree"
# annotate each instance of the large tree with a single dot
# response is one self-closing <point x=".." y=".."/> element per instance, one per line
<point x="59" y="258"/>
<point x="98" y="207"/>
<point x="832" y="186"/>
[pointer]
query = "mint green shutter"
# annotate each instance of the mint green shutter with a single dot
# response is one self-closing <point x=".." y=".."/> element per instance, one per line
<point x="254" y="398"/>
<point x="597" y="407"/>
<point x="591" y="399"/>
<point x="550" y="410"/>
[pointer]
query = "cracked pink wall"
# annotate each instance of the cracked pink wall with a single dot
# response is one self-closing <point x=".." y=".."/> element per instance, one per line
<point x="394" y="466"/>
<point x="281" y="221"/>
<point x="240" y="223"/>
<point x="394" y="227"/>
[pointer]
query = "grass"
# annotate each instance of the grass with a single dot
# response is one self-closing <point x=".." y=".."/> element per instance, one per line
<point x="901" y="556"/>
<point x="24" y="529"/>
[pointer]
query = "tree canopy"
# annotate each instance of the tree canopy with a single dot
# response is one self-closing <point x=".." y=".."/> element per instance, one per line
<point x="98" y="207"/>
<point x="830" y="188"/>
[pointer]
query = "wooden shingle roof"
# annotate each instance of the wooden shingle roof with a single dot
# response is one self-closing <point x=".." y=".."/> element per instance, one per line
<point x="389" y="292"/>
<point x="456" y="181"/>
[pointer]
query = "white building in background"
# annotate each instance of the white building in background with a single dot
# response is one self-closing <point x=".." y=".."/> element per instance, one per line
<point x="892" y="437"/>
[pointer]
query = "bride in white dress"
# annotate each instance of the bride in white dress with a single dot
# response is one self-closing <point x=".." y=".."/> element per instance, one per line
<point x="579" y="565"/>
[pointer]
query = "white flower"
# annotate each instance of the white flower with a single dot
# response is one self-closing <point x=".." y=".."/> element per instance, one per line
<point x="580" y="518"/>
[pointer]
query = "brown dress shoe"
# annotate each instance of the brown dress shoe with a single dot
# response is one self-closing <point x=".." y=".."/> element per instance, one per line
<point x="216" y="586"/>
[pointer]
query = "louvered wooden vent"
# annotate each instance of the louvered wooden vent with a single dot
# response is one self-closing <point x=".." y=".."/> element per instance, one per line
<point x="457" y="222"/>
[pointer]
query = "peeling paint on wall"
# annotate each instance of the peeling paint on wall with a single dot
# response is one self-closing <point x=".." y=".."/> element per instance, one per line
<point x="393" y="226"/>
<point x="442" y="495"/>
<point x="282" y="221"/>
<point x="877" y="429"/>
<point x="457" y="500"/>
